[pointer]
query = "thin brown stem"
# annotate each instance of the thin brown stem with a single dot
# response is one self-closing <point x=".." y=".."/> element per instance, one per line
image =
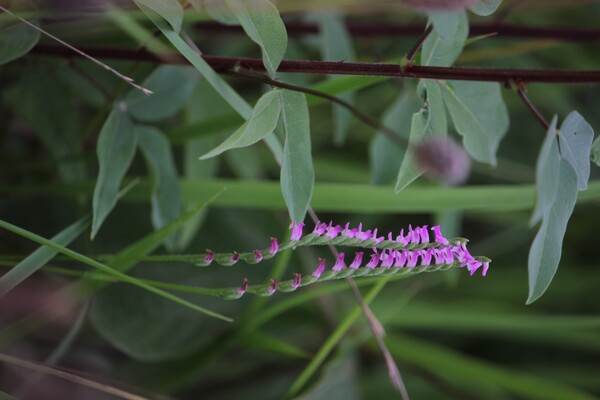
<point x="418" y="44"/>
<point x="223" y="64"/>
<point x="536" y="113"/>
<point x="364" y="117"/>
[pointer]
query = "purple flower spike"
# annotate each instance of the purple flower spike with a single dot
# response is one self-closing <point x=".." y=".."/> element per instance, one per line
<point x="273" y="287"/>
<point x="274" y="246"/>
<point x="439" y="238"/>
<point x="258" y="256"/>
<point x="234" y="257"/>
<point x="333" y="231"/>
<point x="387" y="259"/>
<point x="373" y="262"/>
<point x="297" y="281"/>
<point x="339" y="263"/>
<point x="320" y="269"/>
<point x="319" y="228"/>
<point x="412" y="258"/>
<point x="209" y="257"/>
<point x="401" y="257"/>
<point x="424" y="234"/>
<point x="484" y="270"/>
<point x="242" y="289"/>
<point x="357" y="260"/>
<point x="296" y="230"/>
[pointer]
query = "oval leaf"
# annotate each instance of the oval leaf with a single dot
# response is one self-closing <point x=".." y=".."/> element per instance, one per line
<point x="446" y="23"/>
<point x="546" y="250"/>
<point x="170" y="10"/>
<point x="116" y="146"/>
<point x="485" y="7"/>
<point x="171" y="87"/>
<point x="166" y="196"/>
<point x="441" y="52"/>
<point x="575" y="138"/>
<point x="297" y="174"/>
<point x="262" y="122"/>
<point x="428" y="122"/>
<point x="479" y="115"/>
<point x="16" y="40"/>
<point x="262" y="23"/>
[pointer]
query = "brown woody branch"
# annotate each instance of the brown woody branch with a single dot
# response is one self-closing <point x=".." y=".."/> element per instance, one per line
<point x="503" y="75"/>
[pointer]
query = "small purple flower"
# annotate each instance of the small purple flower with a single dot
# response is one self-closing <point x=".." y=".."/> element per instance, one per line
<point x="473" y="266"/>
<point x="373" y="262"/>
<point x="486" y="266"/>
<point x="448" y="255"/>
<point x="235" y="257"/>
<point x="297" y="281"/>
<point x="274" y="246"/>
<point x="387" y="258"/>
<point x="258" y="256"/>
<point x="209" y="257"/>
<point x="296" y="230"/>
<point x="320" y="269"/>
<point x="415" y="237"/>
<point x="366" y="235"/>
<point x="349" y="233"/>
<point x="405" y="240"/>
<point x="333" y="231"/>
<point x="424" y="234"/>
<point x="242" y="289"/>
<point x="377" y="239"/>
<point x="426" y="256"/>
<point x="357" y="260"/>
<point x="273" y="287"/>
<point x="339" y="263"/>
<point x="412" y="259"/>
<point x="319" y="228"/>
<point x="439" y="238"/>
<point x="401" y="257"/>
<point x="438" y="255"/>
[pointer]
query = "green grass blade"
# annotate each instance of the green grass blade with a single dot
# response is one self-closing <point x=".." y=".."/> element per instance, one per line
<point x="41" y="256"/>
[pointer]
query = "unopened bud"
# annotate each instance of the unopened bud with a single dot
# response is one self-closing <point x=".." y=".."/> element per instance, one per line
<point x="444" y="159"/>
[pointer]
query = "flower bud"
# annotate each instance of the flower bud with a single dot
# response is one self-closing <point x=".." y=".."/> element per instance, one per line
<point x="444" y="159"/>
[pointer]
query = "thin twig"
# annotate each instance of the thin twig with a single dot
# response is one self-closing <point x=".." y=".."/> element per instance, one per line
<point x="537" y="114"/>
<point x="364" y="117"/>
<point x="79" y="52"/>
<point x="418" y="44"/>
<point x="224" y="64"/>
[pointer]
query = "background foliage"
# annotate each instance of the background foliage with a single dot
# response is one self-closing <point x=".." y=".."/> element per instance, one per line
<point x="86" y="156"/>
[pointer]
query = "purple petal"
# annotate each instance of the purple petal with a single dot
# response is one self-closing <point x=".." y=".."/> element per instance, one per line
<point x="339" y="263"/>
<point x="274" y="246"/>
<point x="357" y="260"/>
<point x="320" y="269"/>
<point x="296" y="231"/>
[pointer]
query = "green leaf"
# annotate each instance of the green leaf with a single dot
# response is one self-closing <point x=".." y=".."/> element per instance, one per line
<point x="262" y="122"/>
<point x="595" y="156"/>
<point x="385" y="155"/>
<point x="116" y="147"/>
<point x="218" y="10"/>
<point x="479" y="115"/>
<point x="297" y="174"/>
<point x="172" y="87"/>
<point x="546" y="171"/>
<point x="428" y="122"/>
<point x="336" y="45"/>
<point x="485" y="7"/>
<point x="446" y="23"/>
<point x="262" y="23"/>
<point x="166" y="196"/>
<point x="170" y="10"/>
<point x="339" y="381"/>
<point x="575" y="138"/>
<point x="557" y="196"/>
<point x="16" y="40"/>
<point x="440" y="52"/>
<point x="40" y="257"/>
